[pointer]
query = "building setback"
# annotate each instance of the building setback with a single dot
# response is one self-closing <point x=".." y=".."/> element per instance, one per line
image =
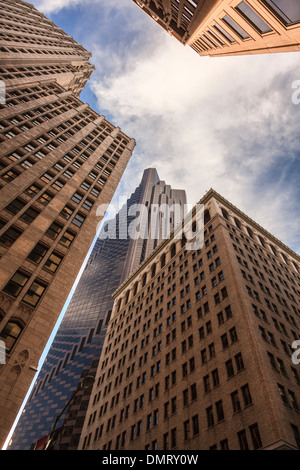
<point x="229" y="27"/>
<point x="198" y="351"/>
<point x="59" y="160"/>
<point x="77" y="345"/>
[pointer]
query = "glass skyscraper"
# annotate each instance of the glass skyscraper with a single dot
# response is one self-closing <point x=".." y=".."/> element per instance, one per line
<point x="77" y="345"/>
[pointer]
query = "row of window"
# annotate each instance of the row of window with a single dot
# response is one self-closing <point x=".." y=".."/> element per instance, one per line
<point x="217" y="36"/>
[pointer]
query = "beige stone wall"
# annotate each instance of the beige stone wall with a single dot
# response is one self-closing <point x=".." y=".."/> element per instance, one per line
<point x="164" y="323"/>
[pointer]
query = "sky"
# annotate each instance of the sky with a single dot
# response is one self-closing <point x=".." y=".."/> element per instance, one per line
<point x="225" y="123"/>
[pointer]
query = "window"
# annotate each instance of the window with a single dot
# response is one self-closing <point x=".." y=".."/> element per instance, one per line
<point x="229" y="368"/>
<point x="195" y="424"/>
<point x="235" y="401"/>
<point x="287" y="11"/>
<point x="38" y="252"/>
<point x="243" y="440"/>
<point x="29" y="215"/>
<point x="235" y="27"/>
<point x="67" y="212"/>
<point x="296" y="432"/>
<point x="33" y="190"/>
<point x="78" y="219"/>
<point x="10" y="334"/>
<point x="45" y="198"/>
<point x="255" y="436"/>
<point x="10" y="236"/>
<point x="53" y="262"/>
<point x="254" y="19"/>
<point x="15" y="206"/>
<point x="246" y="395"/>
<point x="173" y="438"/>
<point x="67" y="238"/>
<point x="54" y="230"/>
<point x="224" y="33"/>
<point x="282" y="393"/>
<point x="34" y="293"/>
<point x="219" y="411"/>
<point x="16" y="284"/>
<point x="210" y="416"/>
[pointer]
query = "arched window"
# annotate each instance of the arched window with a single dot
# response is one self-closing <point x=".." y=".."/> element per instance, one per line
<point x="224" y="213"/>
<point x="163" y="260"/>
<point x="119" y="305"/>
<point x="296" y="266"/>
<point x="285" y="259"/>
<point x="262" y="241"/>
<point x="206" y="216"/>
<point x="10" y="334"/>
<point x="173" y="250"/>
<point x="144" y="280"/>
<point x="153" y="270"/>
<point x="237" y="223"/>
<point x="127" y="296"/>
<point x="250" y="232"/>
<point x="135" y="288"/>
<point x="183" y="241"/>
<point x="273" y="249"/>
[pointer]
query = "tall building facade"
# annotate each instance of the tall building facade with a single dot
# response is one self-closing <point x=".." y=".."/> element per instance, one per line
<point x="198" y="351"/>
<point x="229" y="27"/>
<point x="33" y="48"/>
<point x="78" y="343"/>
<point x="59" y="159"/>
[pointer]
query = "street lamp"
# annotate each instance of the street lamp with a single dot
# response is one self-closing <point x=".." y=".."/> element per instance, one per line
<point x="86" y="383"/>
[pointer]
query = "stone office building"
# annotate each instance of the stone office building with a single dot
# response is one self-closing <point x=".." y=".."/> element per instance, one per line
<point x="229" y="27"/>
<point x="77" y="346"/>
<point x="59" y="160"/>
<point x="198" y="351"/>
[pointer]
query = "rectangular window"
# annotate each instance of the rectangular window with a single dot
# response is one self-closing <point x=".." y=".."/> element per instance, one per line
<point x="45" y="198"/>
<point x="34" y="293"/>
<point x="255" y="436"/>
<point x="15" y="206"/>
<point x="78" y="220"/>
<point x="54" y="230"/>
<point x="10" y="236"/>
<point x="243" y="440"/>
<point x="287" y="11"/>
<point x="16" y="284"/>
<point x="53" y="262"/>
<point x="38" y="252"/>
<point x="235" y="27"/>
<point x="67" y="238"/>
<point x="254" y="19"/>
<point x="29" y="215"/>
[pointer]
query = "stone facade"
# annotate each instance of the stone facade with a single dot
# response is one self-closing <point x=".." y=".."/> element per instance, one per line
<point x="198" y="352"/>
<point x="58" y="161"/>
<point x="229" y="27"/>
<point x="77" y="346"/>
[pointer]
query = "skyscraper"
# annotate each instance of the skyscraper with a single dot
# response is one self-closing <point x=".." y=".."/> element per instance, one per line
<point x="206" y="360"/>
<point x="229" y="27"/>
<point x="34" y="49"/>
<point x="78" y="342"/>
<point x="58" y="160"/>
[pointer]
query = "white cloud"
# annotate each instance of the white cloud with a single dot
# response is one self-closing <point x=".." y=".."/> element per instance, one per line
<point x="189" y="113"/>
<point x="226" y="123"/>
